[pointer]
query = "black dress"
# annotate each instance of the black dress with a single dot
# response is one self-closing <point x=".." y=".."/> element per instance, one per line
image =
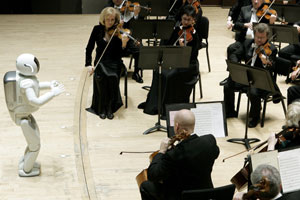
<point x="175" y="82"/>
<point x="106" y="91"/>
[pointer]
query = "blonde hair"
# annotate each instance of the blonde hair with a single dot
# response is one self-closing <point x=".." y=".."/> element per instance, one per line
<point x="109" y="11"/>
<point x="293" y="114"/>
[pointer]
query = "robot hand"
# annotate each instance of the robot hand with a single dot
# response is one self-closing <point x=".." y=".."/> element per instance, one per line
<point x="54" y="83"/>
<point x="57" y="90"/>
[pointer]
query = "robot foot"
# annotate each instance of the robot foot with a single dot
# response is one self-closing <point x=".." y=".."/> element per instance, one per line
<point x="36" y="165"/>
<point x="34" y="172"/>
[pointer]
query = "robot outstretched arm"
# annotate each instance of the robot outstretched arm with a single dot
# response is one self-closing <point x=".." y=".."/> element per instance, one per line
<point x="34" y="100"/>
<point x="48" y="85"/>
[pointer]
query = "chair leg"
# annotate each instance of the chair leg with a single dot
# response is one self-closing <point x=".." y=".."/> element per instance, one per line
<point x="130" y="62"/>
<point x="207" y="56"/>
<point x="238" y="104"/>
<point x="194" y="91"/>
<point x="200" y="85"/>
<point x="262" y="122"/>
<point x="126" y="90"/>
<point x="283" y="106"/>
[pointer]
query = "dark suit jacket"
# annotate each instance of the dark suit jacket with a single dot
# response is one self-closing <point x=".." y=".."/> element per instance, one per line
<point x="235" y="10"/>
<point x="290" y="196"/>
<point x="244" y="17"/>
<point x="245" y="52"/>
<point x="187" y="166"/>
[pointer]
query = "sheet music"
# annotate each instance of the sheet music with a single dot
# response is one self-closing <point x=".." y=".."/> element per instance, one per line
<point x="209" y="119"/>
<point x="289" y="165"/>
<point x="172" y="115"/>
<point x="269" y="158"/>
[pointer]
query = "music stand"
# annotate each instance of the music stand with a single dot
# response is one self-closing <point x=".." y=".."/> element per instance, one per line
<point x="148" y="29"/>
<point x="168" y="57"/>
<point x="158" y="7"/>
<point x="254" y="78"/>
<point x="290" y="13"/>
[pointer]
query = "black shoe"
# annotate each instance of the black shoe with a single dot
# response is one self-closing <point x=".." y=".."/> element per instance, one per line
<point x="231" y="114"/>
<point x="142" y="105"/>
<point x="223" y="82"/>
<point x="276" y="98"/>
<point x="137" y="78"/>
<point x="102" y="115"/>
<point x="253" y="123"/>
<point x="110" y="116"/>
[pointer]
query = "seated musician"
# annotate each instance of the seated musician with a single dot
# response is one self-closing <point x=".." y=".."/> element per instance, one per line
<point x="266" y="185"/>
<point x="196" y="4"/>
<point x="291" y="137"/>
<point x="186" y="166"/>
<point x="126" y="17"/>
<point x="244" y="24"/>
<point x="262" y="60"/>
<point x="175" y="82"/>
<point x="106" y="91"/>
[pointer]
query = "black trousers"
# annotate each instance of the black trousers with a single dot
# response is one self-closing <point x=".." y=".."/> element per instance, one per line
<point x="288" y="51"/>
<point x="255" y="97"/>
<point x="293" y="93"/>
<point x="151" y="191"/>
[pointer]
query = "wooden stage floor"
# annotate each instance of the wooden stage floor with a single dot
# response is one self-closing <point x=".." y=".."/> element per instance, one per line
<point x="80" y="152"/>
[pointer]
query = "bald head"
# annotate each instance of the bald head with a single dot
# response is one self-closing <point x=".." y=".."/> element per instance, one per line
<point x="184" y="120"/>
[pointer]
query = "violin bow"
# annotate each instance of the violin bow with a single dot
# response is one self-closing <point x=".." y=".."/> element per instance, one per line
<point x="173" y="5"/>
<point x="105" y="49"/>
<point x="257" y="146"/>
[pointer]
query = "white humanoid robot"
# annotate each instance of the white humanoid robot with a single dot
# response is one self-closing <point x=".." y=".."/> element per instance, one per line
<point x="22" y="98"/>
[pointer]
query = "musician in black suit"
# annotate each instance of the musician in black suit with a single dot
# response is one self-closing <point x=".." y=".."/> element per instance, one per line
<point x="187" y="166"/>
<point x="248" y="53"/>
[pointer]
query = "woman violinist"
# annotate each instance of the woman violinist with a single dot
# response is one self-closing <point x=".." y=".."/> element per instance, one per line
<point x="106" y="91"/>
<point x="175" y="87"/>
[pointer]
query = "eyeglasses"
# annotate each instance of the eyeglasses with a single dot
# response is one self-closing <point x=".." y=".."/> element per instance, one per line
<point x="188" y="19"/>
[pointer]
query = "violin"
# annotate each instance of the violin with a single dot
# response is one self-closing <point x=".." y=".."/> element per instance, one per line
<point x="143" y="175"/>
<point x="265" y="11"/>
<point x="264" y="50"/>
<point x="195" y="3"/>
<point x="128" y="6"/>
<point x="258" y="190"/>
<point x="186" y="33"/>
<point x="118" y="31"/>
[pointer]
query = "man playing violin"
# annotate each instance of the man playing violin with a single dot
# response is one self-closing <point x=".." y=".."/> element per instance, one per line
<point x="253" y="51"/>
<point x="247" y="17"/>
<point x="187" y="166"/>
<point x="266" y="185"/>
<point x="132" y="48"/>
<point x="291" y="137"/>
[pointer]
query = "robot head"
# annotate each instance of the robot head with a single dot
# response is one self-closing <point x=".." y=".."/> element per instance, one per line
<point x="28" y="64"/>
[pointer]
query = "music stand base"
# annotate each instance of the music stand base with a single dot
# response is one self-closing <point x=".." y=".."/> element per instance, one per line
<point x="245" y="141"/>
<point x="157" y="127"/>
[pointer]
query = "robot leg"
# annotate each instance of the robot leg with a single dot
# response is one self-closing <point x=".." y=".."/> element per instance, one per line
<point x="32" y="136"/>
